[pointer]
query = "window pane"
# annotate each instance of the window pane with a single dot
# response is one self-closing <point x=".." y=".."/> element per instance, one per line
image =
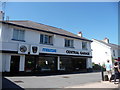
<point x="65" y="43"/>
<point x="84" y="45"/>
<point x="46" y="39"/>
<point x="41" y="38"/>
<point x="50" y="39"/>
<point x="18" y="34"/>
<point x="113" y="52"/>
<point x="71" y="43"/>
<point x="15" y="34"/>
<point x="65" y="65"/>
<point x="29" y="63"/>
<point x="46" y="64"/>
<point x="21" y="35"/>
<point x="68" y="43"/>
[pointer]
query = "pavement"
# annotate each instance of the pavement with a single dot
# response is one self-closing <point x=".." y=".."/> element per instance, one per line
<point x="56" y="82"/>
<point x="101" y="84"/>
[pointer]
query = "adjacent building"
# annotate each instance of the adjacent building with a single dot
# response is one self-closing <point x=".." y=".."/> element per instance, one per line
<point x="103" y="50"/>
<point x="31" y="47"/>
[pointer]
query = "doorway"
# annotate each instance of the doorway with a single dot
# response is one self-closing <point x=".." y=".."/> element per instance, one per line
<point x="14" y="64"/>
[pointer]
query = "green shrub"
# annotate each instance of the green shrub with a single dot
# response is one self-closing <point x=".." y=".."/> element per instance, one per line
<point x="98" y="67"/>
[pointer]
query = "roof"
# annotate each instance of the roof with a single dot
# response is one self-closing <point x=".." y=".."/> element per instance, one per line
<point x="109" y="44"/>
<point x="45" y="28"/>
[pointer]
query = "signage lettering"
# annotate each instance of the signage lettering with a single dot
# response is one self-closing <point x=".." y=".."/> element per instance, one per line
<point x="48" y="50"/>
<point x="85" y="53"/>
<point x="72" y="52"/>
<point x="77" y="52"/>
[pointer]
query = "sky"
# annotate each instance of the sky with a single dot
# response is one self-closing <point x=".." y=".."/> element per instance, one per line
<point x="96" y="20"/>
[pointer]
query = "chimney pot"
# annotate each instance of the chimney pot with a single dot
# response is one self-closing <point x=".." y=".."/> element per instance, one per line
<point x="80" y="34"/>
<point x="106" y="40"/>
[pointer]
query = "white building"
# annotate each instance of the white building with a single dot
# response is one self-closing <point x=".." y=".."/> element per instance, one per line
<point x="27" y="46"/>
<point x="102" y="51"/>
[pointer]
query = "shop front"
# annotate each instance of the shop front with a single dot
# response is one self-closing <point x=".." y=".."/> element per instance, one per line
<point x="54" y="64"/>
<point x="46" y="60"/>
<point x="40" y="64"/>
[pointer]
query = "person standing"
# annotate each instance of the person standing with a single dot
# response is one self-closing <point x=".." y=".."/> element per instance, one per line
<point x="116" y="72"/>
<point x="108" y="67"/>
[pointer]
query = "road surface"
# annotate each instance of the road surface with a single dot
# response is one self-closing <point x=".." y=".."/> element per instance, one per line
<point x="53" y="81"/>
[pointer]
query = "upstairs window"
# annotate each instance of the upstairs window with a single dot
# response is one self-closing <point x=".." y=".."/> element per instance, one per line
<point x="69" y="43"/>
<point x="113" y="52"/>
<point x="18" y="34"/>
<point x="46" y="39"/>
<point x="84" y="45"/>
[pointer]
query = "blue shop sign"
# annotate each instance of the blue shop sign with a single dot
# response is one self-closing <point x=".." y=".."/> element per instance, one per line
<point x="48" y="50"/>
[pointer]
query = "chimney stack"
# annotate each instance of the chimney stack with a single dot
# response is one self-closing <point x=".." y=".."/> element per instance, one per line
<point x="106" y="40"/>
<point x="1" y="15"/>
<point x="80" y="34"/>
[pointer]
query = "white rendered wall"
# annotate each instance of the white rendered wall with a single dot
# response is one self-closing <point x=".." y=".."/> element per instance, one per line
<point x="58" y="63"/>
<point x="6" y="59"/>
<point x="22" y="63"/>
<point x="89" y="46"/>
<point x="89" y="63"/>
<point x="100" y="53"/>
<point x="3" y="62"/>
<point x="32" y="37"/>
<point x="6" y="62"/>
<point x="78" y="44"/>
<point x="6" y="33"/>
<point x="58" y="41"/>
<point x="0" y="32"/>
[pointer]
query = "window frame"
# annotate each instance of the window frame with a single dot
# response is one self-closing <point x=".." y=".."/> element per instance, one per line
<point x="69" y="43"/>
<point x="86" y="46"/>
<point x="114" y="53"/>
<point x="20" y="35"/>
<point x="46" y="39"/>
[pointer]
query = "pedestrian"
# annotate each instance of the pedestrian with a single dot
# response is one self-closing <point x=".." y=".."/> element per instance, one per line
<point x="116" y="72"/>
<point x="108" y="67"/>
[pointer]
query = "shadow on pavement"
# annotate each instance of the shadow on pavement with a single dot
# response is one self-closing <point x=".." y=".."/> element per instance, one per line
<point x="8" y="85"/>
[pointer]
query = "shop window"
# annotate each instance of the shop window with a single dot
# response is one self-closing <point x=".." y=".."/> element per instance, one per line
<point x="69" y="43"/>
<point x="84" y="45"/>
<point x="29" y="63"/>
<point x="65" y="64"/>
<point x="79" y="64"/>
<point x="18" y="34"/>
<point x="46" y="39"/>
<point x="46" y="64"/>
